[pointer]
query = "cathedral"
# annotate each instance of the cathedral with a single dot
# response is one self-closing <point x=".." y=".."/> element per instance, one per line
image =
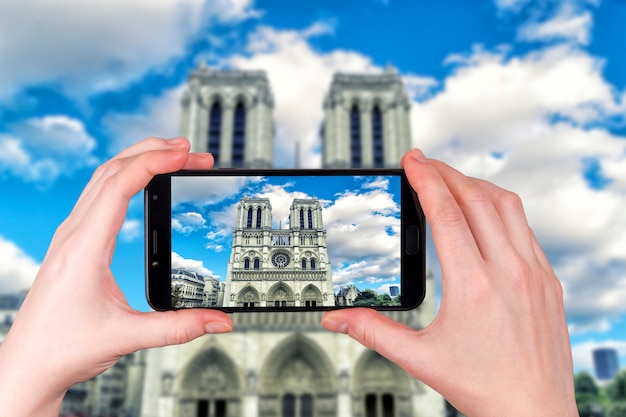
<point x="299" y="273"/>
<point x="284" y="364"/>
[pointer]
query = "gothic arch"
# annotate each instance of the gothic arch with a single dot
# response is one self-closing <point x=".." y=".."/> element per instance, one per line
<point x="311" y="296"/>
<point x="299" y="369"/>
<point x="380" y="387"/>
<point x="247" y="295"/>
<point x="281" y="293"/>
<point x="209" y="381"/>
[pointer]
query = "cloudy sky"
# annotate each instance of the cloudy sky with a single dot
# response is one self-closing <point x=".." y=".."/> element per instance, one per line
<point x="528" y="94"/>
<point x="361" y="216"/>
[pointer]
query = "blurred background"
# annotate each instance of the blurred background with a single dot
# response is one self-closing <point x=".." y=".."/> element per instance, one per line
<point x="530" y="95"/>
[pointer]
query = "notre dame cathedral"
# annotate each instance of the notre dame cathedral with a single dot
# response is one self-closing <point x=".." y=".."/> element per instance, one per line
<point x="280" y="364"/>
<point x="251" y="282"/>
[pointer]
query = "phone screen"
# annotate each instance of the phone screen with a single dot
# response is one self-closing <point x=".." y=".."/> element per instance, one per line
<point x="291" y="240"/>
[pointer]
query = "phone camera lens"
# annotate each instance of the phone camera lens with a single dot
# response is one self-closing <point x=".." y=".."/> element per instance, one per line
<point x="155" y="197"/>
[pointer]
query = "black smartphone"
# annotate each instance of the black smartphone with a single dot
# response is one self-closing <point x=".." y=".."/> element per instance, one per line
<point x="276" y="240"/>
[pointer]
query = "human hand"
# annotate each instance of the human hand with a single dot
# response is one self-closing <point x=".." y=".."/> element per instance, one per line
<point x="499" y="345"/>
<point x="75" y="322"/>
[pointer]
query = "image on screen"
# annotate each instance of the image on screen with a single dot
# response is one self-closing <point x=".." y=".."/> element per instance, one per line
<point x="278" y="241"/>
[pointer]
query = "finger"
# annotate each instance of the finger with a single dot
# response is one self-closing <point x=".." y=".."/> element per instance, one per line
<point x="511" y="212"/>
<point x="145" y="145"/>
<point x="155" y="329"/>
<point x="395" y="341"/>
<point x="478" y="210"/>
<point x="456" y="247"/>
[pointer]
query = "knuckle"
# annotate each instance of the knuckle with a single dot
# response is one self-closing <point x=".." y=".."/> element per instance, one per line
<point x="447" y="213"/>
<point x="473" y="193"/>
<point x="510" y="200"/>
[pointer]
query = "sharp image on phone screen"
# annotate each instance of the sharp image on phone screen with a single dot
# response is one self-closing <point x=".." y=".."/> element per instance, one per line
<point x="254" y="240"/>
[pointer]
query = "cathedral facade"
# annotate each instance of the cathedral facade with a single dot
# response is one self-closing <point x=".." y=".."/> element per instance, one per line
<point x="279" y="267"/>
<point x="284" y="364"/>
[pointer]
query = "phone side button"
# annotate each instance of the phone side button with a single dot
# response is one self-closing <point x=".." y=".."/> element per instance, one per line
<point x="411" y="241"/>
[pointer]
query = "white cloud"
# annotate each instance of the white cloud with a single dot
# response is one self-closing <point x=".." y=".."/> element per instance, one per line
<point x="17" y="268"/>
<point x="99" y="45"/>
<point x="156" y="117"/>
<point x="566" y="25"/>
<point x="42" y="149"/>
<point x="188" y="222"/>
<point x="523" y="122"/>
<point x="192" y="265"/>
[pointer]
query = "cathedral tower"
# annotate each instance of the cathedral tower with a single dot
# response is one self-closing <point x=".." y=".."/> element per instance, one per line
<point x="366" y="122"/>
<point x="229" y="113"/>
<point x="279" y="267"/>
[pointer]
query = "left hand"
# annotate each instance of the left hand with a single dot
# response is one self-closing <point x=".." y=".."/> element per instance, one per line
<point x="75" y="322"/>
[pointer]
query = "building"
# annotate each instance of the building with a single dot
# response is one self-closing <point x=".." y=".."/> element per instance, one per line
<point x="279" y="267"/>
<point x="187" y="288"/>
<point x="366" y="122"/>
<point x="284" y="364"/>
<point x="346" y="295"/>
<point x="606" y="363"/>
<point x="280" y="364"/>
<point x="229" y="113"/>
<point x="394" y="291"/>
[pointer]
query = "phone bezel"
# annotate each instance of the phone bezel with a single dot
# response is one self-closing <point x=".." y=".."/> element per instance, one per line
<point x="157" y="199"/>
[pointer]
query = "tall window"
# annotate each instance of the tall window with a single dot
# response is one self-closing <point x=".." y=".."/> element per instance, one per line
<point x="249" y="223"/>
<point x="239" y="135"/>
<point x="312" y="263"/>
<point x="304" y="264"/>
<point x="246" y="264"/>
<point x="256" y="264"/>
<point x="355" y="137"/>
<point x="310" y="219"/>
<point x="215" y="130"/>
<point x="301" y="218"/>
<point x="377" y="137"/>
<point x="258" y="217"/>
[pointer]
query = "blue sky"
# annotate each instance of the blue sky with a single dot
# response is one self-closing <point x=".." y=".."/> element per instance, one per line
<point x="361" y="217"/>
<point x="528" y="94"/>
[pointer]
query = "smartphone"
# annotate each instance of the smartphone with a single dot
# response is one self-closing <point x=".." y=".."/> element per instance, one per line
<point x="250" y="240"/>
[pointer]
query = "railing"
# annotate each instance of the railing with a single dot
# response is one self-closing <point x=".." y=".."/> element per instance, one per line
<point x="279" y="275"/>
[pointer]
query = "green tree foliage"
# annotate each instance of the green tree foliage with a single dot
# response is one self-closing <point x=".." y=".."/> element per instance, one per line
<point x="587" y="394"/>
<point x="617" y="388"/>
<point x="617" y="409"/>
<point x="177" y="296"/>
<point x="369" y="298"/>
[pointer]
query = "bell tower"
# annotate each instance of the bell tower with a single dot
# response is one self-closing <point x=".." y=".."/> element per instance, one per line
<point x="229" y="113"/>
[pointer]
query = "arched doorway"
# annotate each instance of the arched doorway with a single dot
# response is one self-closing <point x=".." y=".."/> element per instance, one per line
<point x="280" y="295"/>
<point x="311" y="296"/>
<point x="381" y="388"/>
<point x="248" y="297"/>
<point x="210" y="386"/>
<point x="297" y="380"/>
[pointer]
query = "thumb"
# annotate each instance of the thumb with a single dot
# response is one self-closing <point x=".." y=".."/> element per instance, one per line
<point x="395" y="341"/>
<point x="163" y="328"/>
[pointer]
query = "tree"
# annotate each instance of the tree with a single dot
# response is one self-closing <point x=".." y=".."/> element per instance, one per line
<point x="617" y="388"/>
<point x="177" y="296"/>
<point x="366" y="298"/>
<point x="617" y="409"/>
<point x="587" y="394"/>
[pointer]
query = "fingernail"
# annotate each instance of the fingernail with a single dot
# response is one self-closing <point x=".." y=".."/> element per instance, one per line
<point x="418" y="155"/>
<point x="334" y="325"/>
<point x="175" y="141"/>
<point x="217" y="327"/>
